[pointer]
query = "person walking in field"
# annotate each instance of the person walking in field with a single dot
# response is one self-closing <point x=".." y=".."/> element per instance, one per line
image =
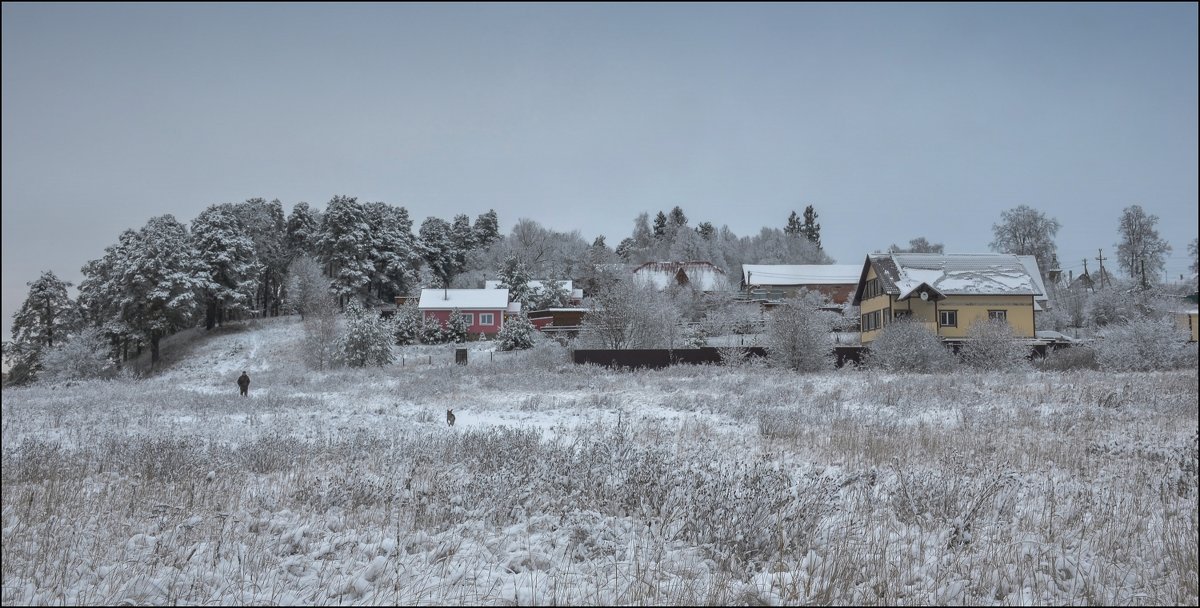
<point x="244" y="384"/>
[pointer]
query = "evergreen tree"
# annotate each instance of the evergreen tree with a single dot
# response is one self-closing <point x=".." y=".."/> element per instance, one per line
<point x="266" y="225"/>
<point x="46" y="319"/>
<point x="794" y="225"/>
<point x="464" y="239"/>
<point x="231" y="266"/>
<point x="456" y="329"/>
<point x="100" y="295"/>
<point x="517" y="333"/>
<point x="393" y="250"/>
<point x="487" y="228"/>
<point x="552" y="294"/>
<point x="159" y="281"/>
<point x="408" y="324"/>
<point x="677" y="219"/>
<point x="515" y="278"/>
<point x="660" y="225"/>
<point x="303" y="231"/>
<point x="368" y="339"/>
<point x="706" y="231"/>
<point x="345" y="247"/>
<point x="625" y="249"/>
<point x="811" y="230"/>
<point x="431" y="331"/>
<point x="438" y="249"/>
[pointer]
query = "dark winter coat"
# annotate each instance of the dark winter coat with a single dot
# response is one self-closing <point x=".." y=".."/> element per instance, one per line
<point x="244" y="380"/>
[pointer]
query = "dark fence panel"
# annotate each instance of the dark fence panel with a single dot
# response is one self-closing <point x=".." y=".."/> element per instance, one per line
<point x="656" y="358"/>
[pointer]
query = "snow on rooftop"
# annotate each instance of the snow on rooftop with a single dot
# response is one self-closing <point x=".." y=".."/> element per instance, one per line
<point x="701" y="275"/>
<point x="432" y="299"/>
<point x="801" y="274"/>
<point x="964" y="273"/>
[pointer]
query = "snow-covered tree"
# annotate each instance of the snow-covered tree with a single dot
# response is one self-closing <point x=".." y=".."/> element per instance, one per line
<point x="487" y="228"/>
<point x="516" y="333"/>
<point x="408" y="324"/>
<point x="918" y="245"/>
<point x="1144" y="345"/>
<point x="432" y="331"/>
<point x="86" y="355"/>
<point x="991" y="345"/>
<point x="46" y="319"/>
<point x="553" y="293"/>
<point x="660" y="225"/>
<point x="630" y="314"/>
<point x="1194" y="254"/>
<point x="794" y="225"/>
<point x="906" y="345"/>
<point x="439" y="250"/>
<point x="1141" y="253"/>
<point x="393" y="251"/>
<point x="368" y="338"/>
<point x="308" y="289"/>
<point x="514" y="276"/>
<point x="303" y="230"/>
<point x="1027" y="231"/>
<point x="160" y="281"/>
<point x="346" y="247"/>
<point x="222" y="241"/>
<point x="799" y="334"/>
<point x="456" y="328"/>
<point x="266" y="225"/>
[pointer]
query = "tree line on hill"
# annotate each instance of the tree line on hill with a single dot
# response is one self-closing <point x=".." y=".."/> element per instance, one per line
<point x="250" y="259"/>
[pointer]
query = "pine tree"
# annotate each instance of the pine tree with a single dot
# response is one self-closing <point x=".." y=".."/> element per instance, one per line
<point x="660" y="225"/>
<point x="431" y="331"/>
<point x="457" y="327"/>
<point x="46" y="319"/>
<point x="159" y="281"/>
<point x="438" y="249"/>
<point x="368" y="339"/>
<point x="231" y="266"/>
<point x="794" y="225"/>
<point x="487" y="228"/>
<point x="515" y="278"/>
<point x="811" y="230"/>
<point x="517" y="333"/>
<point x="552" y="294"/>
<point x="464" y="239"/>
<point x="345" y="247"/>
<point x="408" y="324"/>
<point x="677" y="219"/>
<point x="706" y="231"/>
<point x="266" y="225"/>
<point x="303" y="231"/>
<point x="393" y="250"/>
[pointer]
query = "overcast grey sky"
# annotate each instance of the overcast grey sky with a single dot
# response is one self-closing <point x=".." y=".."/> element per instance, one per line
<point x="894" y="121"/>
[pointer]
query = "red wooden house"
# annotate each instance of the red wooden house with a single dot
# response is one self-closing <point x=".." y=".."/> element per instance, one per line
<point x="483" y="308"/>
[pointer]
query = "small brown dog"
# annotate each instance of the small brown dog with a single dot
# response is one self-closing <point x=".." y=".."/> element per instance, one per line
<point x="450" y="417"/>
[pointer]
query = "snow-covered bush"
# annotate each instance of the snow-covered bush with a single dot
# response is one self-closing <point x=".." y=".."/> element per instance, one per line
<point x="906" y="345"/>
<point x="1067" y="359"/>
<point x="432" y="331"/>
<point x="631" y="314"/>
<point x="991" y="345"/>
<point x="368" y="339"/>
<point x="1144" y="345"/>
<point x="548" y="355"/>
<point x="517" y="333"/>
<point x="87" y="355"/>
<point x="799" y="335"/>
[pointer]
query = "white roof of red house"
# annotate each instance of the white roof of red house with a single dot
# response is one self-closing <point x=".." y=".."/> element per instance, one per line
<point x="475" y="299"/>
<point x="801" y="274"/>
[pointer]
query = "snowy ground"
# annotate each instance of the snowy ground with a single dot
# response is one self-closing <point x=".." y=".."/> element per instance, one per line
<point x="582" y="485"/>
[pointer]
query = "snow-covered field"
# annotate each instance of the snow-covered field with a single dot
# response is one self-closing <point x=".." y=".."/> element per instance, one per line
<point x="582" y="485"/>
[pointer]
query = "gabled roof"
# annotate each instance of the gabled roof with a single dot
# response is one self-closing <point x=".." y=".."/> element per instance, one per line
<point x="800" y="274"/>
<point x="901" y="274"/>
<point x="438" y="299"/>
<point x="701" y="275"/>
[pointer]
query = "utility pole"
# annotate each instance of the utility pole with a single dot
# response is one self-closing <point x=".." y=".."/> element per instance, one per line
<point x="1103" y="276"/>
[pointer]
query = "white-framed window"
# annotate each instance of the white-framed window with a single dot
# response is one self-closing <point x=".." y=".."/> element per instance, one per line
<point x="470" y="317"/>
<point x="1001" y="315"/>
<point x="487" y="318"/>
<point x="948" y="318"/>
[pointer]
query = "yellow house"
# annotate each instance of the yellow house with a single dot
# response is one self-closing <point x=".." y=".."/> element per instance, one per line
<point x="1187" y="319"/>
<point x="948" y="292"/>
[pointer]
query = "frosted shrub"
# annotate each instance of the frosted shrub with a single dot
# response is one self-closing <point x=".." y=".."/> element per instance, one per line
<point x="1065" y="359"/>
<point x="548" y="354"/>
<point x="88" y="355"/>
<point x="368" y="339"/>
<point x="907" y="346"/>
<point x="630" y="314"/>
<point x="408" y="324"/>
<point x="991" y="345"/>
<point x="432" y="332"/>
<point x="799" y="336"/>
<point x="516" y="334"/>
<point x="1143" y="345"/>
